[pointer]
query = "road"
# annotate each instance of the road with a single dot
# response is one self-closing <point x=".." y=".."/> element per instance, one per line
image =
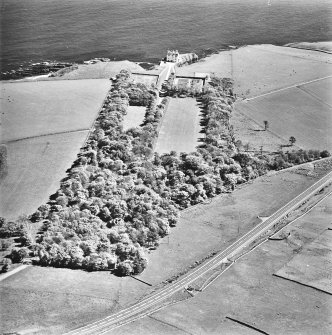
<point x="154" y="301"/>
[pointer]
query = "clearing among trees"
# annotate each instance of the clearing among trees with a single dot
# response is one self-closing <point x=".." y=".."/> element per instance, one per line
<point x="180" y="130"/>
<point x="134" y="117"/>
<point x="147" y="80"/>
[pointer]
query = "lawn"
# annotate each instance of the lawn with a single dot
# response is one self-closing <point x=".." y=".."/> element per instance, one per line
<point x="250" y="293"/>
<point x="293" y="112"/>
<point x="134" y="117"/>
<point x="45" y="107"/>
<point x="35" y="168"/>
<point x="180" y="129"/>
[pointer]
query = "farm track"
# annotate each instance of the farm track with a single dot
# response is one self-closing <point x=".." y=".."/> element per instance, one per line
<point x="286" y="88"/>
<point x="313" y="95"/>
<point x="156" y="300"/>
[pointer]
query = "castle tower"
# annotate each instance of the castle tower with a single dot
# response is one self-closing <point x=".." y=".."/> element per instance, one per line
<point x="172" y="56"/>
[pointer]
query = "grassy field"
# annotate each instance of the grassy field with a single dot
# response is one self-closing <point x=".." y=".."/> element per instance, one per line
<point x="44" y="124"/>
<point x="250" y="293"/>
<point x="35" y="167"/>
<point x="312" y="266"/>
<point x="324" y="46"/>
<point x="100" y="70"/>
<point x="37" y="108"/>
<point x="321" y="90"/>
<point x="134" y="117"/>
<point x="180" y="130"/>
<point x="252" y="133"/>
<point x="294" y="112"/>
<point x="258" y="69"/>
<point x="52" y="301"/>
<point x="303" y="112"/>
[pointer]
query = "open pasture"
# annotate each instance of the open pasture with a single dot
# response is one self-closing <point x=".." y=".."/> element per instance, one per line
<point x="100" y="70"/>
<point x="35" y="168"/>
<point x="312" y="266"/>
<point x="293" y="112"/>
<point x="134" y="117"/>
<point x="180" y="129"/>
<point x="252" y="134"/>
<point x="54" y="301"/>
<point x="45" y="107"/>
<point x="257" y="69"/>
<point x="320" y="89"/>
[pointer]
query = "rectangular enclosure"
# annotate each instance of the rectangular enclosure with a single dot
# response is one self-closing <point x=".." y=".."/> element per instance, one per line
<point x="180" y="130"/>
<point x="134" y="117"/>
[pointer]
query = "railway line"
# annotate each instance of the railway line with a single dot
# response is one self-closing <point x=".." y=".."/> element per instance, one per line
<point x="156" y="300"/>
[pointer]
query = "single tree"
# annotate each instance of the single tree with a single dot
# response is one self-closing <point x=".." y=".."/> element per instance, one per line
<point x="266" y="125"/>
<point x="247" y="146"/>
<point x="292" y="140"/>
<point x="6" y="265"/>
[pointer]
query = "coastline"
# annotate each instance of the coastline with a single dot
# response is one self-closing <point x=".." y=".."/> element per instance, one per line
<point x="315" y="46"/>
<point x="110" y="68"/>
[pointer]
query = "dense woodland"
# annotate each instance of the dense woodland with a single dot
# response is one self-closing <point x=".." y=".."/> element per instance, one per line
<point x="119" y="197"/>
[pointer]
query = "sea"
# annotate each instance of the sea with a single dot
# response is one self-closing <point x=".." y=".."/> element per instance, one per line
<point x="143" y="30"/>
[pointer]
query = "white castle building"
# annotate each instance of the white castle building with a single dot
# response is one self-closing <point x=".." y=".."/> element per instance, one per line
<point x="173" y="56"/>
